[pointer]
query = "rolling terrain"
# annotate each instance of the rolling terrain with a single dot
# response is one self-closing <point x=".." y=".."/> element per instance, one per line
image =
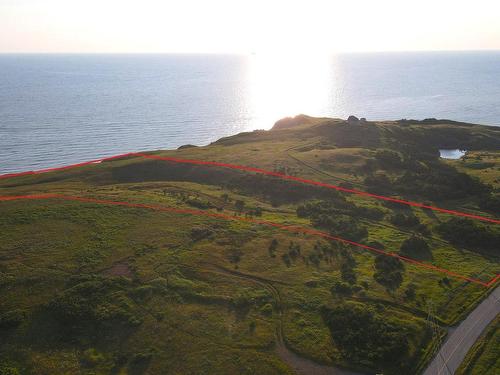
<point x="184" y="276"/>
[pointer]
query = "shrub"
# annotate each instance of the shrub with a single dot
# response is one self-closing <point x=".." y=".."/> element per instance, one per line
<point x="410" y="292"/>
<point x="365" y="337"/>
<point x="267" y="309"/>
<point x="347" y="273"/>
<point x="251" y="326"/>
<point x="91" y="357"/>
<point x="94" y="304"/>
<point x="341" y="288"/>
<point x="465" y="232"/>
<point x="388" y="158"/>
<point x="402" y="220"/>
<point x="416" y="247"/>
<point x="12" y="319"/>
<point x="272" y="247"/>
<point x="200" y="232"/>
<point x="8" y="370"/>
<point x="388" y="271"/>
<point x="198" y="203"/>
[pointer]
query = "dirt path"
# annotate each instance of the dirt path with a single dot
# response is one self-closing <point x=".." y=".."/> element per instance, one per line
<point x="300" y="365"/>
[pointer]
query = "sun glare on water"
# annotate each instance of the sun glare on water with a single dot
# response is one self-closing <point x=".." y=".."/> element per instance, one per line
<point x="287" y="85"/>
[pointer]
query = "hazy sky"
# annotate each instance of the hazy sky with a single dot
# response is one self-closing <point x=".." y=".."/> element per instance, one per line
<point x="236" y="26"/>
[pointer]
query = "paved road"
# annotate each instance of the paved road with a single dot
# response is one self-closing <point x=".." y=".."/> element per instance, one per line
<point x="461" y="339"/>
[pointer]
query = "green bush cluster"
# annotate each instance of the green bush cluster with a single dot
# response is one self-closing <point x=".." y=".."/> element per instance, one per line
<point x="366" y="338"/>
<point x="467" y="233"/>
<point x="95" y="302"/>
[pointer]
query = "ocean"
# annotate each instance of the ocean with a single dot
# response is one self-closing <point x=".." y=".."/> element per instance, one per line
<point x="63" y="109"/>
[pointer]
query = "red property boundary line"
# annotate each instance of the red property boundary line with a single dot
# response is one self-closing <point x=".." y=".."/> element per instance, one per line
<point x="290" y="228"/>
<point x="260" y="171"/>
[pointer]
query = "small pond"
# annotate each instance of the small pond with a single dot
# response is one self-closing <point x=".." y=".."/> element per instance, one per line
<point x="452" y="154"/>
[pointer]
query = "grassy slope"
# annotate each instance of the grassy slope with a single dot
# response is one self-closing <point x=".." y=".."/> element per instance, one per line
<point x="180" y="308"/>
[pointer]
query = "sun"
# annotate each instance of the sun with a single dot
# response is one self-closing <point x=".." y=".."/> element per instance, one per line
<point x="283" y="85"/>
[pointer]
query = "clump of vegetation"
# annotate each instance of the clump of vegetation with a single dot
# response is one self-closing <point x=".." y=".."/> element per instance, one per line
<point x="9" y="370"/>
<point x="490" y="203"/>
<point x="366" y="338"/>
<point x="346" y="227"/>
<point x="199" y="203"/>
<point x="200" y="232"/>
<point x="467" y="233"/>
<point x="432" y="179"/>
<point x="410" y="291"/>
<point x="340" y="288"/>
<point x="416" y="247"/>
<point x="388" y="158"/>
<point x="409" y="220"/>
<point x="239" y="205"/>
<point x="347" y="272"/>
<point x="388" y="272"/>
<point x="96" y="303"/>
<point x="12" y="319"/>
<point x="91" y="357"/>
<point x="272" y="247"/>
<point x="293" y="252"/>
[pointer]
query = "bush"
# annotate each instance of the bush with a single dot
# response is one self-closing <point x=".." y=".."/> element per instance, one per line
<point x="267" y="309"/>
<point x="363" y="336"/>
<point x="94" y="304"/>
<point x="402" y="220"/>
<point x="341" y="226"/>
<point x="465" y="232"/>
<point x="410" y="292"/>
<point x="8" y="370"/>
<point x="198" y="203"/>
<point x="200" y="232"/>
<point x="91" y="357"/>
<point x="416" y="247"/>
<point x="142" y="293"/>
<point x="347" y="273"/>
<point x="378" y="184"/>
<point x="490" y="203"/>
<point x="12" y="319"/>
<point x="341" y="288"/>
<point x="388" y="271"/>
<point x="389" y="159"/>
<point x="272" y="247"/>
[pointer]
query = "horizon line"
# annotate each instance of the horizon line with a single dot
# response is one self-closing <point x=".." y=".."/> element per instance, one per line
<point x="244" y="53"/>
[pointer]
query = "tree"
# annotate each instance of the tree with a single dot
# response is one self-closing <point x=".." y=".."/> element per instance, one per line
<point x="347" y="273"/>
<point x="389" y="158"/>
<point x="363" y="336"/>
<point x="416" y="247"/>
<point x="341" y="288"/>
<point x="388" y="272"/>
<point x="465" y="232"/>
<point x="239" y="205"/>
<point x="272" y="247"/>
<point x="410" y="292"/>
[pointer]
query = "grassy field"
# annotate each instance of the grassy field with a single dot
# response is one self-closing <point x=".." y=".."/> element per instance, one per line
<point x="97" y="289"/>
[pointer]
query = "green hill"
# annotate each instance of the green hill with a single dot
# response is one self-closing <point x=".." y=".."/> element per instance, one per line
<point x="102" y="289"/>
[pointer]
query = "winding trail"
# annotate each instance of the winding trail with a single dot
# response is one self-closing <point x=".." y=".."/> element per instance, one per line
<point x="460" y="340"/>
<point x="450" y="355"/>
<point x="300" y="365"/>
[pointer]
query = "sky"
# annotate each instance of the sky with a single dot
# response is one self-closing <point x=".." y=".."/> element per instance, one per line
<point x="251" y="26"/>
